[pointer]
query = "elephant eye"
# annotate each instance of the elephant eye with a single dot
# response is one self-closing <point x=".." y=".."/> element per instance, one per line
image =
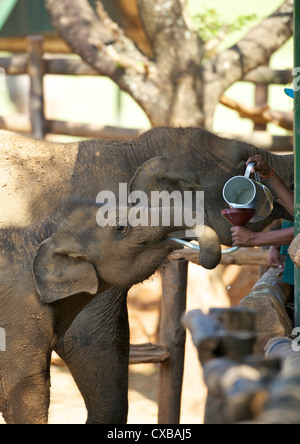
<point x="122" y="230"/>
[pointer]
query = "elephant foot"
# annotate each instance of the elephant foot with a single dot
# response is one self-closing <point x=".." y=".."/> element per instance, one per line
<point x="28" y="401"/>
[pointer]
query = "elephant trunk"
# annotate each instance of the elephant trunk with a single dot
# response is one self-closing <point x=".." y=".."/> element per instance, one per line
<point x="210" y="249"/>
<point x="209" y="244"/>
<point x="176" y="219"/>
<point x="160" y="222"/>
<point x="178" y="222"/>
<point x="195" y="228"/>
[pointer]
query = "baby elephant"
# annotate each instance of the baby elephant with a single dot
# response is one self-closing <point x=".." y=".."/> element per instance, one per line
<point x="48" y="275"/>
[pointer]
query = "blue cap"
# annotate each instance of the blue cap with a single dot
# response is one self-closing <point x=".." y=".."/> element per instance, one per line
<point x="289" y="92"/>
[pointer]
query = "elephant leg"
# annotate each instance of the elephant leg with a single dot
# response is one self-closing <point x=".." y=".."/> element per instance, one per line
<point x="25" y="373"/>
<point x="25" y="357"/>
<point x="96" y="351"/>
<point x="28" y="395"/>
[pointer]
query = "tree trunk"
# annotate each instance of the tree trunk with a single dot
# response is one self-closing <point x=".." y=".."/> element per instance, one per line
<point x="170" y="80"/>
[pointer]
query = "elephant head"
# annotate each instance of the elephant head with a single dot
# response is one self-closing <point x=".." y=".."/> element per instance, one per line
<point x="155" y="174"/>
<point x="83" y="257"/>
<point x="208" y="170"/>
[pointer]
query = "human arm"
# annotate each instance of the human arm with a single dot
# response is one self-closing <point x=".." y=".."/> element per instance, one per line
<point x="242" y="237"/>
<point x="276" y="183"/>
<point x="274" y="257"/>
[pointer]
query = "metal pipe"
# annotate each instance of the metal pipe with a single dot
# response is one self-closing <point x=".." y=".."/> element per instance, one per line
<point x="185" y="243"/>
<point x="197" y="248"/>
<point x="229" y="250"/>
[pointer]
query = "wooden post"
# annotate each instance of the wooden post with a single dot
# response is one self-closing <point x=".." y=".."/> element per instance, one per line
<point x="36" y="73"/>
<point x="173" y="335"/>
<point x="267" y="299"/>
<point x="261" y="99"/>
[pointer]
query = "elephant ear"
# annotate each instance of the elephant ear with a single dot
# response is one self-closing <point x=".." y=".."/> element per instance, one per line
<point x="60" y="269"/>
<point x="157" y="175"/>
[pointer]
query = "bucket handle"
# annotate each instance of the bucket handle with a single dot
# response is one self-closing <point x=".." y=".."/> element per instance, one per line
<point x="248" y="172"/>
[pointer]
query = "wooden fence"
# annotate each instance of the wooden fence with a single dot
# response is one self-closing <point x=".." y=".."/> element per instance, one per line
<point x="37" y="64"/>
<point x="242" y="387"/>
<point x="173" y="305"/>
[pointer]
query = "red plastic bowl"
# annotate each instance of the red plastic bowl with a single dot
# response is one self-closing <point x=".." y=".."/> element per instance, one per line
<point x="238" y="216"/>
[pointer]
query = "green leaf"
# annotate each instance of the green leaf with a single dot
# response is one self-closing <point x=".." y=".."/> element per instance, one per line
<point x="210" y="24"/>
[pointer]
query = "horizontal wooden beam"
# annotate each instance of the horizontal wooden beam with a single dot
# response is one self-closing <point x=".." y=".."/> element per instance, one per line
<point x="243" y="256"/>
<point x="17" y="64"/>
<point x="91" y="130"/>
<point x="148" y="353"/>
<point x="21" y="123"/>
<point x="264" y="140"/>
<point x="267" y="76"/>
<point x="52" y="44"/>
<point x="139" y="354"/>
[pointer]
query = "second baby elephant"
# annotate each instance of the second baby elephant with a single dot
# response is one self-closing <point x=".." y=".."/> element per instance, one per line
<point x="49" y="275"/>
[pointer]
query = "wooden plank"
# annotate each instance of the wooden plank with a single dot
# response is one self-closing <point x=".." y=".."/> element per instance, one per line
<point x="148" y="353"/>
<point x="15" y="65"/>
<point x="173" y="335"/>
<point x="18" y="64"/>
<point x="21" y="123"/>
<point x="17" y="123"/>
<point x="261" y="100"/>
<point x="36" y="73"/>
<point x="267" y="299"/>
<point x="65" y="65"/>
<point x="268" y="76"/>
<point x="53" y="44"/>
<point x="92" y="130"/>
<point x="243" y="256"/>
<point x="264" y="140"/>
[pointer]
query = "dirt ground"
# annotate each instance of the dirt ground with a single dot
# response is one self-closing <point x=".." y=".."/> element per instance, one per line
<point x="222" y="287"/>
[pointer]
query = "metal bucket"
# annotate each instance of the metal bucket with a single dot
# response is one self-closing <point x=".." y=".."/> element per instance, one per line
<point x="243" y="192"/>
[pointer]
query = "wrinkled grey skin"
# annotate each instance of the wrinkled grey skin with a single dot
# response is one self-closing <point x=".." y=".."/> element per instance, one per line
<point x="59" y="268"/>
<point x="37" y="176"/>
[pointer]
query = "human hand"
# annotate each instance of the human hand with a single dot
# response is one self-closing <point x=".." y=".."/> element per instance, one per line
<point x="261" y="166"/>
<point x="274" y="257"/>
<point x="242" y="237"/>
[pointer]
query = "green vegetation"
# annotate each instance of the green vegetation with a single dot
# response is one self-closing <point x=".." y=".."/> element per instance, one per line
<point x="211" y="25"/>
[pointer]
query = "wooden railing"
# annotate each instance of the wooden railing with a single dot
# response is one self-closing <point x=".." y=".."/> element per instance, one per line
<point x="173" y="336"/>
<point x="37" y="64"/>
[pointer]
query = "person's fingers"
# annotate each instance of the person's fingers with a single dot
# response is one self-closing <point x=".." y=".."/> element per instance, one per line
<point x="254" y="159"/>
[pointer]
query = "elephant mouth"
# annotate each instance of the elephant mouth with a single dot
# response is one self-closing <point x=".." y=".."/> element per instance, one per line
<point x="180" y="237"/>
<point x="185" y="243"/>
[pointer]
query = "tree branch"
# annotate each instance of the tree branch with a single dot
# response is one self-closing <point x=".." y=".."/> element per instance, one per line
<point x="175" y="87"/>
<point x="260" y="114"/>
<point x="178" y="52"/>
<point x="131" y="23"/>
<point x="170" y="31"/>
<point x="254" y="49"/>
<point x="105" y="47"/>
<point x="98" y="41"/>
